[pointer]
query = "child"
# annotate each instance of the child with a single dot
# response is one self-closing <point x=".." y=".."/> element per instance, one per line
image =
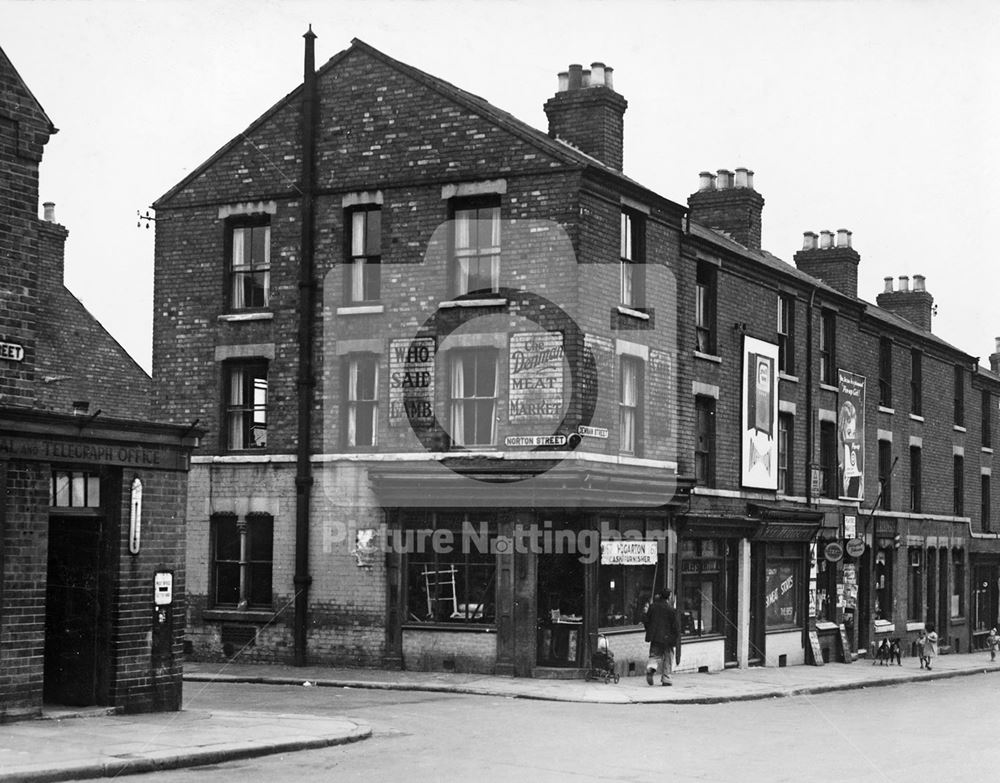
<point x="993" y="643"/>
<point x="921" y="641"/>
<point x="930" y="644"/>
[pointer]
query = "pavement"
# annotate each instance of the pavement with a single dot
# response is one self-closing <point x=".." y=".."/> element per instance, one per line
<point x="93" y="743"/>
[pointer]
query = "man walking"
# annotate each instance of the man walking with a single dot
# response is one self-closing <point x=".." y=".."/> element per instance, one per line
<point x="663" y="632"/>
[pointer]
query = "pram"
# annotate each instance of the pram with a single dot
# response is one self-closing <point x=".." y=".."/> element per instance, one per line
<point x="602" y="662"/>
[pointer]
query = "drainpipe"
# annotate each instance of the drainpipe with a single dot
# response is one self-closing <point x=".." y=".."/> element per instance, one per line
<point x="809" y="396"/>
<point x="307" y="286"/>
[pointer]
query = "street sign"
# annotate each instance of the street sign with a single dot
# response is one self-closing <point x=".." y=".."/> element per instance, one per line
<point x="592" y="432"/>
<point x="12" y="352"/>
<point x="534" y="440"/>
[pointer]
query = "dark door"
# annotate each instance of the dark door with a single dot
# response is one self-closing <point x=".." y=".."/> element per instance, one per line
<point x="731" y="622"/>
<point x="560" y="599"/>
<point x="757" y="589"/>
<point x="73" y="654"/>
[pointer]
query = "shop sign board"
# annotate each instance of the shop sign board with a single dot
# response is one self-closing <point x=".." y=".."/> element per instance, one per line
<point x="528" y="441"/>
<point x="12" y="352"/>
<point x="411" y="381"/>
<point x="536" y="377"/>
<point x="628" y="553"/>
<point x="855" y="547"/>
<point x="834" y="551"/>
<point x="52" y="449"/>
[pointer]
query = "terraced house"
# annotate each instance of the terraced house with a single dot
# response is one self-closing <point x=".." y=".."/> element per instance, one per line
<point x="473" y="394"/>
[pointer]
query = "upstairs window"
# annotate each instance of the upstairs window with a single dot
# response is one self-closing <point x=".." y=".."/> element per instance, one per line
<point x="633" y="258"/>
<point x="828" y="458"/>
<point x="916" y="478"/>
<point x="246" y="405"/>
<point x="362" y="400"/>
<point x="786" y="334"/>
<point x="249" y="265"/>
<point x="785" y="461"/>
<point x="364" y="283"/>
<point x="984" y="491"/>
<point x="476" y="243"/>
<point x="916" y="383"/>
<point x="630" y="405"/>
<point x="705" y="296"/>
<point x="474" y="397"/>
<point x="958" y="463"/>
<point x="959" y="396"/>
<point x="885" y="372"/>
<point x="828" y="348"/>
<point x="987" y="416"/>
<point x="704" y="450"/>
<point x="885" y="473"/>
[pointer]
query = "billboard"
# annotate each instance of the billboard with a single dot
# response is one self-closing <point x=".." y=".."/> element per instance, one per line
<point x="850" y="435"/>
<point x="759" y="433"/>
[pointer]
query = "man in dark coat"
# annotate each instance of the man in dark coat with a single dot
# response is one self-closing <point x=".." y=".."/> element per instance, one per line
<point x="663" y="632"/>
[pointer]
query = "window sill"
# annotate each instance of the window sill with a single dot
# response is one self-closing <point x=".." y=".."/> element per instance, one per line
<point x="360" y="309"/>
<point x="257" y="316"/>
<point x="826" y="625"/>
<point x="624" y="310"/>
<point x="828" y="387"/>
<point x="986" y="450"/>
<point x="708" y="357"/>
<point x="691" y="638"/>
<point x="957" y="620"/>
<point x="617" y="630"/>
<point x="884" y="409"/>
<point x="884" y="626"/>
<point x="959" y="428"/>
<point x="238" y="615"/>
<point x="786" y="377"/>
<point x="784" y="629"/>
<point x="492" y="302"/>
<point x="453" y="627"/>
<point x="915" y="417"/>
<point x="914" y="625"/>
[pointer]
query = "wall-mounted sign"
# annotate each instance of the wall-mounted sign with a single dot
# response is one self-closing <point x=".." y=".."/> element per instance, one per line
<point x="514" y="441"/>
<point x="850" y="525"/>
<point x="536" y="377"/>
<point x="411" y="381"/>
<point x="163" y="588"/>
<point x="851" y="435"/>
<point x="12" y="352"/>
<point x="855" y="547"/>
<point x="92" y="452"/>
<point x="366" y="549"/>
<point x="628" y="553"/>
<point x="759" y="452"/>
<point x="592" y="432"/>
<point x="135" y="517"/>
<point x="834" y="551"/>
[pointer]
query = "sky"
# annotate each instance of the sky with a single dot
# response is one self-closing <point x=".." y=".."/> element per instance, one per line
<point x="880" y="117"/>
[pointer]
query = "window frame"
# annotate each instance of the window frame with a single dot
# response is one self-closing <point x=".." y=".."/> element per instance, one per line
<point x="492" y="254"/>
<point x="916" y="382"/>
<point x="786" y="333"/>
<point x="632" y="259"/>
<point x="363" y="267"/>
<point x="986" y="403"/>
<point x="631" y="411"/>
<point x="691" y="565"/>
<point x="786" y="453"/>
<point x="828" y="458"/>
<point x="782" y="555"/>
<point x="252" y="368"/>
<point x="706" y="295"/>
<point x="882" y="583"/>
<point x="915" y="594"/>
<point x="916" y="476"/>
<point x="959" y="392"/>
<point x="985" y="503"/>
<point x="354" y="404"/>
<point x="828" y="347"/>
<point x="248" y="564"/>
<point x="457" y="405"/>
<point x="958" y="484"/>
<point x="956" y="596"/>
<point x="704" y="441"/>
<point x="885" y="372"/>
<point x="233" y="276"/>
<point x="885" y="473"/>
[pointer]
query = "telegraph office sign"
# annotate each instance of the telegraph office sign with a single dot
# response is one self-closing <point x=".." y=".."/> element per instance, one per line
<point x="12" y="352"/>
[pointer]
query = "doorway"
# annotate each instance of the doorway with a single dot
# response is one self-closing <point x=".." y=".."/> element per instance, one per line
<point x="758" y="582"/>
<point x="560" y="601"/>
<point x="77" y="657"/>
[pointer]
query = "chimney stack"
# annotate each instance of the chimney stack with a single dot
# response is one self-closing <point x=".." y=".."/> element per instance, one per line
<point x="995" y="357"/>
<point x="587" y="113"/>
<point x="916" y="306"/>
<point x="831" y="260"/>
<point x="727" y="202"/>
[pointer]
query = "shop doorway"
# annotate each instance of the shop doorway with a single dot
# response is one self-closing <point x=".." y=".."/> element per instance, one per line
<point x="758" y="582"/>
<point x="560" y="601"/>
<point x="731" y="604"/>
<point x="77" y="657"/>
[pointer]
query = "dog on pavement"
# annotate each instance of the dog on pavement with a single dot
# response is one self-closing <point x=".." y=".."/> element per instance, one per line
<point x="889" y="651"/>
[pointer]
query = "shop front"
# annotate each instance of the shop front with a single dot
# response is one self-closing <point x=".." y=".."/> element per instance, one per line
<point x="984" y="609"/>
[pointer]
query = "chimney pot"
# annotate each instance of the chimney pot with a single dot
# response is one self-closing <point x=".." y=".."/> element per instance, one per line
<point x="843" y="237"/>
<point x="809" y="240"/>
<point x="609" y="81"/>
<point x="597" y="75"/>
<point x="741" y="178"/>
<point x="575" y="77"/>
<point x="918" y="283"/>
<point x="49" y="211"/>
<point x="706" y="180"/>
<point x="563" y="81"/>
<point x="825" y="240"/>
<point x="904" y="283"/>
<point x="750" y="179"/>
<point x="725" y="180"/>
<point x="997" y="344"/>
<point x="888" y="285"/>
<point x="586" y="78"/>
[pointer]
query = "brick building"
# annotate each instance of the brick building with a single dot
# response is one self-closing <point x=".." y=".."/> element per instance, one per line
<point x="473" y="394"/>
<point x="93" y="493"/>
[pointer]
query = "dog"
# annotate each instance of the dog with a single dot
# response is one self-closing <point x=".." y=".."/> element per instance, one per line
<point x="889" y="651"/>
<point x="882" y="653"/>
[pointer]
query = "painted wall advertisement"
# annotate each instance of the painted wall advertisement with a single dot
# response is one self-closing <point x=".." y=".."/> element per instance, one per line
<point x="411" y="381"/>
<point x="851" y="435"/>
<point x="759" y="452"/>
<point x="536" y="377"/>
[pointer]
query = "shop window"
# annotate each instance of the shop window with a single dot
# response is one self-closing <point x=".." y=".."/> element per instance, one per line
<point x="958" y="484"/>
<point x="451" y="571"/>
<point x="704" y="449"/>
<point x="633" y="259"/>
<point x="984" y="491"/>
<point x="915" y="584"/>
<point x="473" y="397"/>
<point x="705" y="296"/>
<point x="630" y="405"/>
<point x="476" y="244"/>
<point x="785" y="460"/>
<point x="74" y="489"/>
<point x="826" y="587"/>
<point x="883" y="583"/>
<point x="959" y="396"/>
<point x="916" y="471"/>
<point x="916" y="383"/>
<point x="957" y="604"/>
<point x="783" y="589"/>
<point x="786" y="334"/>
<point x="249" y="246"/>
<point x="703" y="567"/>
<point x="246" y="405"/>
<point x="885" y="372"/>
<point x="242" y="560"/>
<point x="987" y="419"/>
<point x="828" y="458"/>
<point x="626" y="590"/>
<point x="364" y="269"/>
<point x="828" y="347"/>
<point x="982" y="610"/>
<point x="362" y="400"/>
<point x="885" y="473"/>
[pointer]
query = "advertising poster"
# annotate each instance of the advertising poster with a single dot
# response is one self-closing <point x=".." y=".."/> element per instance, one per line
<point x="850" y="435"/>
<point x="536" y="377"/>
<point x="759" y="452"/>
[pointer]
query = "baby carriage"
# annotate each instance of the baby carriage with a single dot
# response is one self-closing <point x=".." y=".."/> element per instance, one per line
<point x="602" y="662"/>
